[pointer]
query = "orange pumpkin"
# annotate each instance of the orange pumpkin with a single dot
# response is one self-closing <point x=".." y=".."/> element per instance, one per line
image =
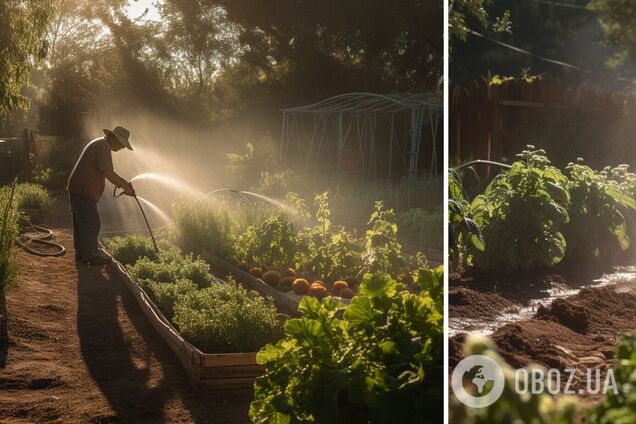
<point x="337" y="286"/>
<point x="300" y="286"/>
<point x="271" y="278"/>
<point x="317" y="290"/>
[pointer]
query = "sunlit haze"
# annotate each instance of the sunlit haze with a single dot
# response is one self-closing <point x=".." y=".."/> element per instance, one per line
<point x="136" y="8"/>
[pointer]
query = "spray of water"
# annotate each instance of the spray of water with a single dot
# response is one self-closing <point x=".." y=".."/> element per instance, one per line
<point x="286" y="208"/>
<point x="156" y="210"/>
<point x="168" y="181"/>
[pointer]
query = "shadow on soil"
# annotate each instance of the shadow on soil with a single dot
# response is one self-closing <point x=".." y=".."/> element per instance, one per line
<point x="135" y="394"/>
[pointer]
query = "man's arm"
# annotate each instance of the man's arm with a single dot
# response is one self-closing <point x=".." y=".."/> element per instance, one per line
<point x="118" y="181"/>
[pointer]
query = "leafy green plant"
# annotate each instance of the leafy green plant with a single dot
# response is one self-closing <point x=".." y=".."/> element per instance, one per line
<point x="383" y="252"/>
<point x="597" y="226"/>
<point x="462" y="229"/>
<point x="512" y="407"/>
<point x="327" y="252"/>
<point x="620" y="407"/>
<point x="130" y="249"/>
<point x="521" y="215"/>
<point x="227" y="318"/>
<point x="431" y="280"/>
<point x="272" y="242"/>
<point x="380" y="361"/>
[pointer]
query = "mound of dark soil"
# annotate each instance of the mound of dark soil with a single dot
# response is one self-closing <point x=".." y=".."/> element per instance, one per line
<point x="566" y="312"/>
<point x="464" y="302"/>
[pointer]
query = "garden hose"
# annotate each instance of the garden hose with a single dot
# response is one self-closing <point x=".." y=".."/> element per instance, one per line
<point x="25" y="240"/>
<point x="152" y="236"/>
<point x="484" y="162"/>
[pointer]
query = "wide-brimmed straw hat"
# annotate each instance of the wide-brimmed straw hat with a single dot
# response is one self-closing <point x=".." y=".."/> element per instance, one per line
<point x="122" y="135"/>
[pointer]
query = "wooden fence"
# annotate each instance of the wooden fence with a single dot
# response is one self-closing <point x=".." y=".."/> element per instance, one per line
<point x="490" y="121"/>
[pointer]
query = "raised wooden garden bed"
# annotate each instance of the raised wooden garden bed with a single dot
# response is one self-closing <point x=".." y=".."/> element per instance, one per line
<point x="205" y="371"/>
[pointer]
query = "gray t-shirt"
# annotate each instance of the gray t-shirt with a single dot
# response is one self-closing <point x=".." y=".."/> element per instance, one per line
<point x="87" y="178"/>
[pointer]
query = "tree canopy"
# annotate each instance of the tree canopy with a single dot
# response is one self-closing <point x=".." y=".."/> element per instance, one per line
<point x="23" y="26"/>
<point x="209" y="62"/>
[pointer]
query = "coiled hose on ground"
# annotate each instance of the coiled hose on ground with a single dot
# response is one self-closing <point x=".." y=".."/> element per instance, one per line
<point x="37" y="235"/>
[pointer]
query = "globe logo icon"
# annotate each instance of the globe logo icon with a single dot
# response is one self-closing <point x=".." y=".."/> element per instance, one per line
<point x="478" y="381"/>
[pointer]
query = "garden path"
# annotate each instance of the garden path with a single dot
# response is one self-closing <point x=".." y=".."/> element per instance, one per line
<point x="81" y="351"/>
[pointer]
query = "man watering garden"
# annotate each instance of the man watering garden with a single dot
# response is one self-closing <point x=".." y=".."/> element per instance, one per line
<point x="86" y="186"/>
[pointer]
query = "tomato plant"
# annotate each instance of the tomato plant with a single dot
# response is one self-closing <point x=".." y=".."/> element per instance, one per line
<point x="380" y="361"/>
<point x="272" y="242"/>
<point x="383" y="252"/>
<point x="328" y="252"/>
<point x="597" y="226"/>
<point x="521" y="215"/>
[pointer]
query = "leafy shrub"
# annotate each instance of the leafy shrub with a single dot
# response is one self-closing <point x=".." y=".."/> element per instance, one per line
<point x="227" y="318"/>
<point x="272" y="242"/>
<point x="380" y="361"/>
<point x="198" y="225"/>
<point x="620" y="407"/>
<point x="9" y="215"/>
<point x="596" y="221"/>
<point x="383" y="252"/>
<point x="130" y="249"/>
<point x="329" y="253"/>
<point x="521" y="215"/>
<point x="511" y="407"/>
<point x="32" y="196"/>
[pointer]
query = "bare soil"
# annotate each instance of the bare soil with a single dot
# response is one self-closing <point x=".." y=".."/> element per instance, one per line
<point x="579" y="332"/>
<point x="81" y="351"/>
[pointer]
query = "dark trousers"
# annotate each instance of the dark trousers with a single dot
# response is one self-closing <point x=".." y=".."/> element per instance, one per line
<point x="85" y="226"/>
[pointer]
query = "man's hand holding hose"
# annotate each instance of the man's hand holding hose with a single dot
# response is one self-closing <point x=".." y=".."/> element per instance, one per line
<point x="128" y="189"/>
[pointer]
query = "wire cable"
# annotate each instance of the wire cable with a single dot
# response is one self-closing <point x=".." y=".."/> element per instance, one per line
<point x="546" y="59"/>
